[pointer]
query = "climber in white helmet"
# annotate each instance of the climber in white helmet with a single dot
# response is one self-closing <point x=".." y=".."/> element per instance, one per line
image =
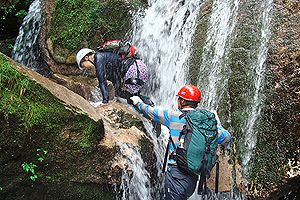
<point x="122" y="67"/>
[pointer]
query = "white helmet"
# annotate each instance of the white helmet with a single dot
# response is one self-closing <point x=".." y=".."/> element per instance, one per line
<point x="83" y="52"/>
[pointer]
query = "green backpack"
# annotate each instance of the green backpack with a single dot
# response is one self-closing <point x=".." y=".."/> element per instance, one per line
<point x="196" y="153"/>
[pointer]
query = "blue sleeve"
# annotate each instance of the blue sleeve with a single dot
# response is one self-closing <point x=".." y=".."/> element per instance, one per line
<point x="224" y="137"/>
<point x="155" y="113"/>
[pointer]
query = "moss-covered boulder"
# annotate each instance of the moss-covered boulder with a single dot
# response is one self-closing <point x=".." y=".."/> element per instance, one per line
<point x="72" y="25"/>
<point x="54" y="144"/>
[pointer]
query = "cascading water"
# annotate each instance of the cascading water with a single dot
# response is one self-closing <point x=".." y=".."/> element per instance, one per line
<point x="164" y="38"/>
<point x="26" y="47"/>
<point x="213" y="70"/>
<point x="135" y="176"/>
<point x="259" y="69"/>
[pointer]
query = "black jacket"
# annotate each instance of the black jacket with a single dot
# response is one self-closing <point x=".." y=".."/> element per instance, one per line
<point x="108" y="67"/>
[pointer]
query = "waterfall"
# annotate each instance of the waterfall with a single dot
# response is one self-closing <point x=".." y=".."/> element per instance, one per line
<point x="163" y="35"/>
<point x="136" y="182"/>
<point x="135" y="176"/>
<point x="163" y="38"/>
<point x="259" y="70"/>
<point x="213" y="70"/>
<point x="26" y="46"/>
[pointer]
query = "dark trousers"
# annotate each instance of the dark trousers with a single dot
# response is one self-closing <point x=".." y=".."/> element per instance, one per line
<point x="178" y="184"/>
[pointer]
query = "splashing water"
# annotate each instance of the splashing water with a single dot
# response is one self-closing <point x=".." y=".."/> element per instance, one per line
<point x="259" y="68"/>
<point x="135" y="176"/>
<point x="26" y="47"/>
<point x="164" y="38"/>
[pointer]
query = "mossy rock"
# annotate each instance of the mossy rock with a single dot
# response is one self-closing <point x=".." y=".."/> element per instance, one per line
<point x="76" y="24"/>
<point x="56" y="143"/>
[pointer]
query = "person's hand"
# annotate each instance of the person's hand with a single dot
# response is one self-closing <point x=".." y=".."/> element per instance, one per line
<point x="136" y="100"/>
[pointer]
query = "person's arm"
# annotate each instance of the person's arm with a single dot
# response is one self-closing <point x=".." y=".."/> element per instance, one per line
<point x="156" y="114"/>
<point x="224" y="137"/>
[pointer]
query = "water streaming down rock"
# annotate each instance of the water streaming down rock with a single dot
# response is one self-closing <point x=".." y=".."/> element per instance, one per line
<point x="164" y="38"/>
<point x="259" y="70"/>
<point x="213" y="72"/>
<point x="136" y="183"/>
<point x="135" y="176"/>
<point x="159" y="148"/>
<point x="26" y="46"/>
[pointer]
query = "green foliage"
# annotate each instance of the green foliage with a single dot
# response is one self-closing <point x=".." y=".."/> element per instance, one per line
<point x="6" y="10"/>
<point x="95" y="21"/>
<point x="15" y="8"/>
<point x="31" y="167"/>
<point x="27" y="105"/>
<point x="41" y="154"/>
<point x="10" y="46"/>
<point x="21" y="14"/>
<point x="31" y="118"/>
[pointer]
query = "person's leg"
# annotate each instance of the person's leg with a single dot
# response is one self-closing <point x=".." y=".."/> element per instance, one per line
<point x="178" y="185"/>
<point x="101" y="75"/>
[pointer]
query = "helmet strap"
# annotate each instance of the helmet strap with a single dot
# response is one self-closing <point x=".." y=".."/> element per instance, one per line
<point x="181" y="102"/>
<point x="91" y="62"/>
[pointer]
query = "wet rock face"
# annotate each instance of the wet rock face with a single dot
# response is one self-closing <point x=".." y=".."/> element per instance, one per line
<point x="281" y="118"/>
<point x="85" y="86"/>
<point x="88" y="25"/>
<point x="277" y="125"/>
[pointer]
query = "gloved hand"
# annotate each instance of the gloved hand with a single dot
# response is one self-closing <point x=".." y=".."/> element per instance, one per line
<point x="136" y="100"/>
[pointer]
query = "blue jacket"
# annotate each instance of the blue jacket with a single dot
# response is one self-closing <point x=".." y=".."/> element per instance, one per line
<point x="171" y="119"/>
<point x="108" y="67"/>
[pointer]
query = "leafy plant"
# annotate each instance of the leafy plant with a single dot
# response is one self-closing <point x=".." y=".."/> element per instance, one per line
<point x="10" y="46"/>
<point x="21" y="14"/>
<point x="31" y="167"/>
<point x="41" y="154"/>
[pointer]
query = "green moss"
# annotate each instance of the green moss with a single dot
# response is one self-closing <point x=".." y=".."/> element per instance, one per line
<point x="32" y="118"/>
<point x="93" y="21"/>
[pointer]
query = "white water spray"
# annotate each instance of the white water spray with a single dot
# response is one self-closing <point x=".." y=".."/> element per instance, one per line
<point x="135" y="176"/>
<point x="164" y="38"/>
<point x="25" y="49"/>
<point x="259" y="68"/>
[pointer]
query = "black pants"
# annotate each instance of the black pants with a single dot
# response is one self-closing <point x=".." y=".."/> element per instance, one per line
<point x="178" y="184"/>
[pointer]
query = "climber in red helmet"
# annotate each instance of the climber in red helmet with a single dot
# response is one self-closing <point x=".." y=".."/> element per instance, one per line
<point x="180" y="180"/>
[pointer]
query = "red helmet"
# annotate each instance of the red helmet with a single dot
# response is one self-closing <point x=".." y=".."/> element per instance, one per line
<point x="132" y="50"/>
<point x="190" y="93"/>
